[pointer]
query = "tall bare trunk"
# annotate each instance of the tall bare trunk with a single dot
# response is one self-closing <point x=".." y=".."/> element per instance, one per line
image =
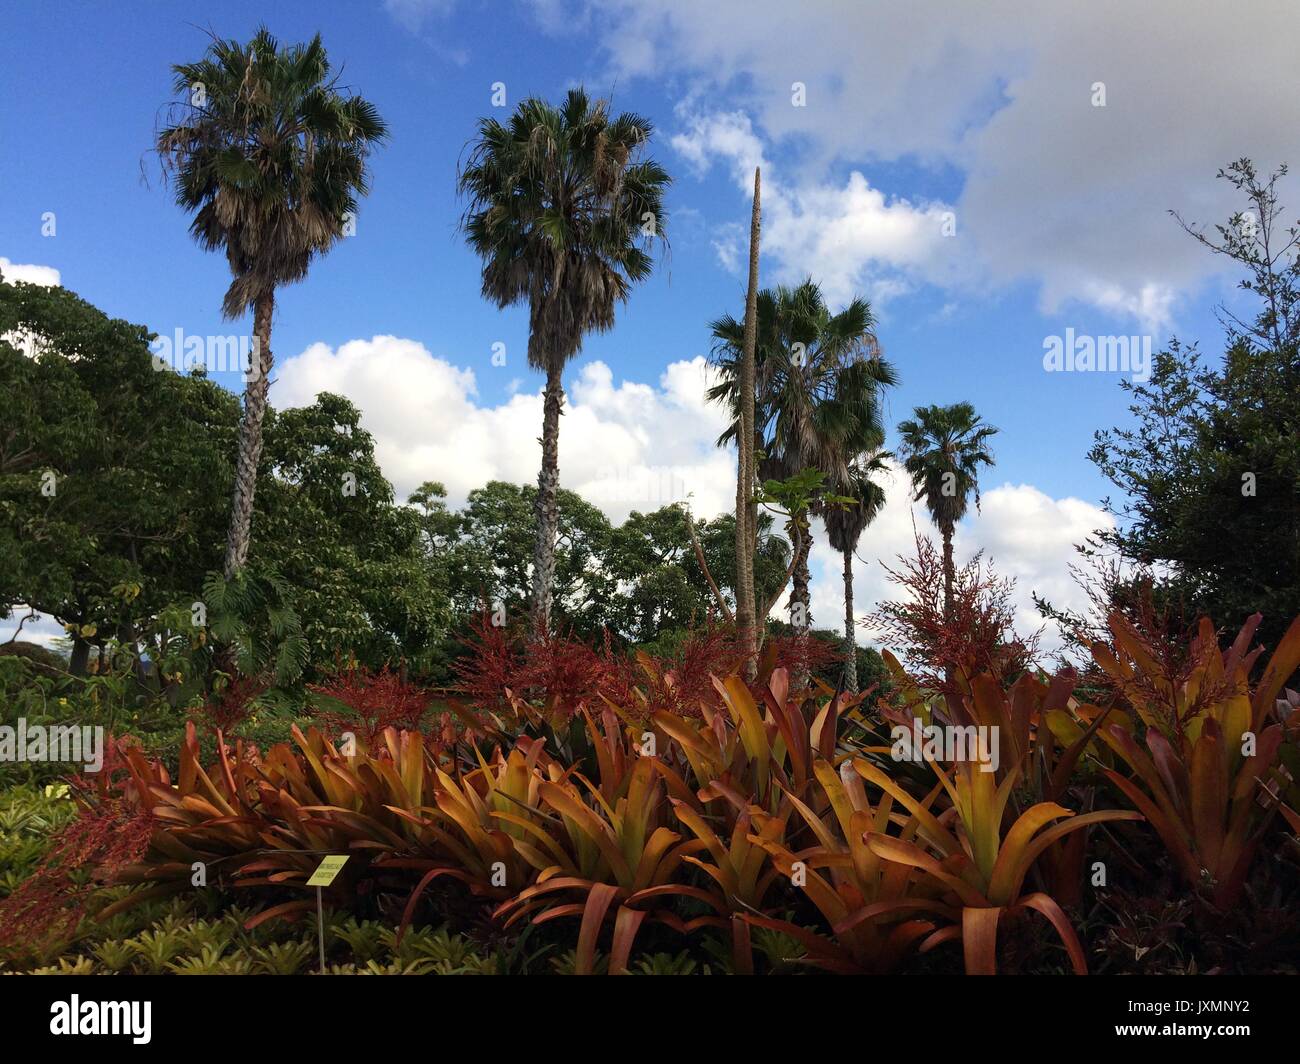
<point x="747" y="621"/>
<point x="250" y="438"/>
<point x="801" y="604"/>
<point x="850" y="640"/>
<point x="948" y="573"/>
<point x="548" y="512"/>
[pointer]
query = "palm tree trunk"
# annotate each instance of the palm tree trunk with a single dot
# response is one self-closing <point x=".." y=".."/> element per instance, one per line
<point x="948" y="573"/>
<point x="800" y="581"/>
<point x="850" y="642"/>
<point x="250" y="438"/>
<point x="800" y="605"/>
<point x="747" y="621"/>
<point x="548" y="513"/>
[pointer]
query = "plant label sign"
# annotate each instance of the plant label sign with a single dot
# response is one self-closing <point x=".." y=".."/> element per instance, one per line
<point x="327" y="871"/>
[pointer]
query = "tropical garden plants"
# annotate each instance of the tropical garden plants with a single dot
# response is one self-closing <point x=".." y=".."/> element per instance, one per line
<point x="1208" y="779"/>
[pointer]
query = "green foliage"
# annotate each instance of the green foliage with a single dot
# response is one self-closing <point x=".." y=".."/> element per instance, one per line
<point x="113" y="489"/>
<point x="639" y="580"/>
<point x="122" y="550"/>
<point x="29" y="814"/>
<point x="251" y="613"/>
<point x="355" y="566"/>
<point x="819" y="381"/>
<point x="1209" y="469"/>
<point x="283" y="958"/>
<point x="863" y="497"/>
<point x="487" y="552"/>
<point x="943" y="448"/>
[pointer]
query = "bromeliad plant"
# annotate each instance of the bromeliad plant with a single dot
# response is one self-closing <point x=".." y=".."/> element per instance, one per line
<point x="482" y="827"/>
<point x="740" y="870"/>
<point x="981" y="867"/>
<point x="265" y="822"/>
<point x="592" y="858"/>
<point x="1206" y="778"/>
<point x="761" y="749"/>
<point x="870" y="904"/>
<point x="1042" y="733"/>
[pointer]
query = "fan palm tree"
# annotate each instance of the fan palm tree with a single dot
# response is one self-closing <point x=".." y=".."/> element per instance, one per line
<point x="844" y="527"/>
<point x="943" y="448"/>
<point x="270" y="157"/>
<point x="818" y="381"/>
<point x="561" y="208"/>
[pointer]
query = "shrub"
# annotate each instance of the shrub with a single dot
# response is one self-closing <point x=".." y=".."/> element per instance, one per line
<point x="366" y="703"/>
<point x="108" y="834"/>
<point x="1207" y="780"/>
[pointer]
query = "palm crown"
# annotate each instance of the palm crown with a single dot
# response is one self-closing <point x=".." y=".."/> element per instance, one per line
<point x="943" y="448"/>
<point x="269" y="156"/>
<point x="846" y="523"/>
<point x="561" y="210"/>
<point x="818" y="377"/>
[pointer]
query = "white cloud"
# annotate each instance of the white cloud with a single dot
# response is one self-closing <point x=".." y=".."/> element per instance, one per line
<point x="28" y="273"/>
<point x="729" y="135"/>
<point x="43" y="630"/>
<point x="849" y="237"/>
<point x="1054" y="190"/>
<point x="624" y="446"/>
<point x="1031" y="536"/>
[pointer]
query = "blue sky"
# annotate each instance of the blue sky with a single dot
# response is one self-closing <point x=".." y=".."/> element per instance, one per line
<point x="1060" y="206"/>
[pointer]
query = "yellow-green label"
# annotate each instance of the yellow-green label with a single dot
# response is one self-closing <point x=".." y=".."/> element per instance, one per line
<point x="327" y="871"/>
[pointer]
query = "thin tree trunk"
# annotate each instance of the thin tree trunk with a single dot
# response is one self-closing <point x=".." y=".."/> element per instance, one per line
<point x="126" y="634"/>
<point x="850" y="641"/>
<point x="250" y="438"/>
<point x="801" y="605"/>
<point x="80" y="656"/>
<point x="948" y="573"/>
<point x="800" y="615"/>
<point x="746" y="509"/>
<point x="548" y="513"/>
